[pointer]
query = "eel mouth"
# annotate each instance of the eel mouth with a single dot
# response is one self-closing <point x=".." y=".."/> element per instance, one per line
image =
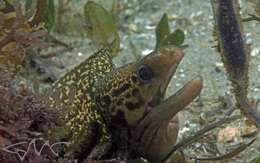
<point x="152" y="132"/>
<point x="159" y="95"/>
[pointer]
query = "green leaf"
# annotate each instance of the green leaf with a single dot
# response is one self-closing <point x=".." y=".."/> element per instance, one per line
<point x="162" y="30"/>
<point x="175" y="38"/>
<point x="102" y="28"/>
<point x="28" y="4"/>
<point x="50" y="15"/>
<point x="258" y="159"/>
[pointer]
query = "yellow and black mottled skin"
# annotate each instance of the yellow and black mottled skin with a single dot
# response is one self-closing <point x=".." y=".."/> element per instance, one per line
<point x="74" y="91"/>
<point x="105" y="106"/>
<point x="139" y="115"/>
<point x="87" y="90"/>
<point x="128" y="94"/>
<point x="124" y="94"/>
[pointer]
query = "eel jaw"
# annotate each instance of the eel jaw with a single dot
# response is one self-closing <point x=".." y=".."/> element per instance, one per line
<point x="172" y="71"/>
<point x="160" y="93"/>
<point x="154" y="136"/>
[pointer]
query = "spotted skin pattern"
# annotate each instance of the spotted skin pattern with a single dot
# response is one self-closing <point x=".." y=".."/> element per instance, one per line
<point x="104" y="104"/>
<point x="125" y="96"/>
<point x="74" y="92"/>
<point x="139" y="114"/>
<point x="120" y="95"/>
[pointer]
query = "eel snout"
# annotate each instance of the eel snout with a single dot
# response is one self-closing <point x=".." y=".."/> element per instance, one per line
<point x="154" y="134"/>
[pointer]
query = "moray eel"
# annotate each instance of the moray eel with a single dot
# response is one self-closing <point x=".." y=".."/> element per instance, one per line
<point x="134" y="98"/>
<point x="112" y="109"/>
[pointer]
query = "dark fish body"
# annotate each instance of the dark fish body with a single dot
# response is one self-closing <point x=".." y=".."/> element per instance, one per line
<point x="235" y="54"/>
<point x="231" y="37"/>
<point x="234" y="50"/>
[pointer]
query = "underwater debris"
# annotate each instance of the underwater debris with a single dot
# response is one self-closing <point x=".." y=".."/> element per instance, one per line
<point x="256" y="5"/>
<point x="44" y="12"/>
<point x="21" y="37"/>
<point x="256" y="16"/>
<point x="228" y="155"/>
<point x="23" y="117"/>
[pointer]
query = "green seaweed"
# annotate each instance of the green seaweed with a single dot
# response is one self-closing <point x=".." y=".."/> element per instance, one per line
<point x="49" y="15"/>
<point x="175" y="38"/>
<point x="162" y="30"/>
<point x="164" y="37"/>
<point x="28" y="4"/>
<point x="102" y="28"/>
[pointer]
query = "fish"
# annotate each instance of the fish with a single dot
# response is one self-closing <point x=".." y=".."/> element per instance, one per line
<point x="109" y="107"/>
<point x="235" y="54"/>
<point x="139" y="115"/>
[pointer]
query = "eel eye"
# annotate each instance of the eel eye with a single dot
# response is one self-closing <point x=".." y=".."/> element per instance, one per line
<point x="145" y="73"/>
